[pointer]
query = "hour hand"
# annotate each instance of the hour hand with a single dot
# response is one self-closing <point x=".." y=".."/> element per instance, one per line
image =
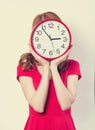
<point x="55" y="38"/>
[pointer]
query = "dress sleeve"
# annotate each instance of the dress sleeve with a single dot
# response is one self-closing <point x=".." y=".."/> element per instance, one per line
<point x="74" y="69"/>
<point x="21" y="72"/>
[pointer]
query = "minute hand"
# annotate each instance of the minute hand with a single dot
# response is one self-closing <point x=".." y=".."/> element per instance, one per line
<point x="49" y="38"/>
<point x="46" y="33"/>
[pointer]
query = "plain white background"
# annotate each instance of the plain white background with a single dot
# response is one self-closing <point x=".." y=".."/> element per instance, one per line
<point x="15" y="26"/>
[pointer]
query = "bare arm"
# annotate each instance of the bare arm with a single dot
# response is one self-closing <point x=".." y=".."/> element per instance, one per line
<point x="65" y="96"/>
<point x="36" y="98"/>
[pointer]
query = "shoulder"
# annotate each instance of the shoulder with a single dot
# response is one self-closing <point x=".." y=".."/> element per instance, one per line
<point x="22" y="72"/>
<point x="72" y="61"/>
<point x="74" y="67"/>
<point x="20" y="68"/>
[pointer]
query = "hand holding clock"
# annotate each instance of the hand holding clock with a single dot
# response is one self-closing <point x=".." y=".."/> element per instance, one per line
<point x="56" y="62"/>
<point x="50" y="65"/>
<point x="41" y="60"/>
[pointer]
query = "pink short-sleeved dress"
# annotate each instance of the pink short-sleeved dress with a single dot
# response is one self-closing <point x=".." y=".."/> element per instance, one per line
<point x="53" y="118"/>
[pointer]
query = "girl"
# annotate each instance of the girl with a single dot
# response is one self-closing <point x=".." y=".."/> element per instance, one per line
<point x="49" y="87"/>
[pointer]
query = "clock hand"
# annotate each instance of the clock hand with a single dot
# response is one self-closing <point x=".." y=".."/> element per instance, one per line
<point x="52" y="46"/>
<point x="55" y="38"/>
<point x="46" y="33"/>
<point x="51" y="42"/>
<point x="49" y="38"/>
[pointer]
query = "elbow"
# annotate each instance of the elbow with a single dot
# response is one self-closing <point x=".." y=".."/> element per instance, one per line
<point x="67" y="105"/>
<point x="37" y="108"/>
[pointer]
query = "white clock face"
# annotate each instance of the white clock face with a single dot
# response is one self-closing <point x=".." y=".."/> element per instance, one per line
<point x="51" y="38"/>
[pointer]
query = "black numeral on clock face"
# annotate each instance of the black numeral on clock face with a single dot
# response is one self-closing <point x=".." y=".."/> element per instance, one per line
<point x="38" y="46"/>
<point x="62" y="46"/>
<point x="36" y="39"/>
<point x="51" y="25"/>
<point x="58" y="27"/>
<point x="58" y="51"/>
<point x="65" y="39"/>
<point x="44" y="50"/>
<point x="62" y="32"/>
<point x="39" y="32"/>
<point x="44" y="27"/>
<point x="50" y="52"/>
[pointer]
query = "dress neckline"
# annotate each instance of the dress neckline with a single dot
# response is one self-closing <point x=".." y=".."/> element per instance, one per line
<point x="39" y="72"/>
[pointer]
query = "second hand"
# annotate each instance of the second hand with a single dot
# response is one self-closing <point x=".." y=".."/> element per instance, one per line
<point x="52" y="43"/>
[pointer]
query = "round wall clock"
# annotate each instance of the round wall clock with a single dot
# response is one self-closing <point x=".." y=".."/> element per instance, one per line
<point x="50" y="39"/>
